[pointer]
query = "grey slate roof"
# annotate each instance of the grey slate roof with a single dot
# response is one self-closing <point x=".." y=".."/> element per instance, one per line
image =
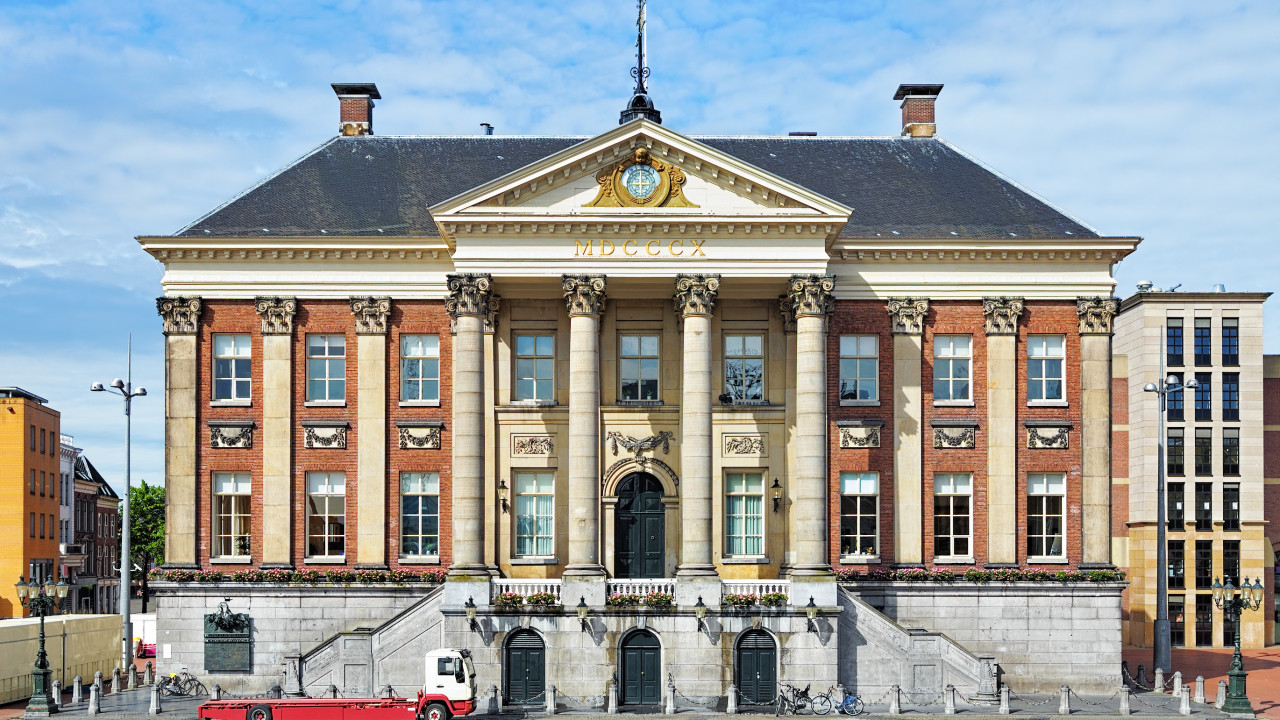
<point x="382" y="185"/>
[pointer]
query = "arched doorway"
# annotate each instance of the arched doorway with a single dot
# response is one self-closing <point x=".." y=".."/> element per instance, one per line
<point x="525" y="668"/>
<point x="756" y="667"/>
<point x="640" y="528"/>
<point x="641" y="670"/>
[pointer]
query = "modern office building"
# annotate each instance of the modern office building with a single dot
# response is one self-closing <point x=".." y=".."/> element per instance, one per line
<point x="1214" y="460"/>
<point x="707" y="367"/>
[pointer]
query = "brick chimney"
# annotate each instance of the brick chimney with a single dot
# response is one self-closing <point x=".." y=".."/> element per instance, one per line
<point x="355" y="107"/>
<point x="917" y="109"/>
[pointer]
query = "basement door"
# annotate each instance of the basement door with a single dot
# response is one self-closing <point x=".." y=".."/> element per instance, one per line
<point x="757" y="666"/>
<point x="641" y="669"/>
<point x="526" y="668"/>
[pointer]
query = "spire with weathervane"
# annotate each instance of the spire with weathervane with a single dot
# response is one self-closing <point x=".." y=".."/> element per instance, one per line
<point x="641" y="105"/>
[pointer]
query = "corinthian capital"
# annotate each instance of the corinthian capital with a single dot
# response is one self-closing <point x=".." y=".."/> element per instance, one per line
<point x="811" y="295"/>
<point x="907" y="315"/>
<point x="181" y="315"/>
<point x="468" y="294"/>
<point x="696" y="294"/>
<point x="1096" y="314"/>
<point x="584" y="294"/>
<point x="371" y="314"/>
<point x="1002" y="314"/>
<point x="277" y="314"/>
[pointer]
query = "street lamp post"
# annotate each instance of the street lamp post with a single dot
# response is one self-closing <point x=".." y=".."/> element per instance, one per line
<point x="41" y="600"/>
<point x="1232" y="605"/>
<point x="125" y="389"/>
<point x="1161" y="642"/>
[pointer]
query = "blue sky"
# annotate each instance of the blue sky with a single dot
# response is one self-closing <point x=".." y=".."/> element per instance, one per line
<point x="1156" y="119"/>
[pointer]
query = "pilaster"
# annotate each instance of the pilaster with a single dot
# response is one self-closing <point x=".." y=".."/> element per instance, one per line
<point x="812" y="301"/>
<point x="695" y="300"/>
<point x="906" y="316"/>
<point x="585" y="297"/>
<point x="468" y="305"/>
<point x="371" y="315"/>
<point x="181" y="318"/>
<point x="1096" y="314"/>
<point x="277" y="428"/>
<point x="1002" y="315"/>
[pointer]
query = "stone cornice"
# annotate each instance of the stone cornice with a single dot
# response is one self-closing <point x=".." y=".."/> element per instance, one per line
<point x="294" y="248"/>
<point x="584" y="294"/>
<point x="696" y="294"/>
<point x="1075" y="250"/>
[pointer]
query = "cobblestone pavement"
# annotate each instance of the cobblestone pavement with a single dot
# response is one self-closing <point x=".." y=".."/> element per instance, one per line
<point x="1262" y="665"/>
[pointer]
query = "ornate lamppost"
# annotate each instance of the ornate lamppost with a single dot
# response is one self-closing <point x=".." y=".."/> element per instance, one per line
<point x="1233" y="604"/>
<point x="1161" y="643"/>
<point x="42" y="600"/>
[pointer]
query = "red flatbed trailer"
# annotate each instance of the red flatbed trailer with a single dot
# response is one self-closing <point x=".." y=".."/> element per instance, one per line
<point x="427" y="707"/>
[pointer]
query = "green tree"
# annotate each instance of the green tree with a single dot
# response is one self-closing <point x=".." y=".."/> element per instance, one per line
<point x="146" y="528"/>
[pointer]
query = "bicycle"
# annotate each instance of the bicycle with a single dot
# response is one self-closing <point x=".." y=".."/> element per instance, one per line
<point x="798" y="702"/>
<point x="182" y="684"/>
<point x="850" y="705"/>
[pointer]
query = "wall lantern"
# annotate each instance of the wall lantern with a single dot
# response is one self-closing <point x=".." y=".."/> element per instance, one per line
<point x="502" y="494"/>
<point x="470" y="607"/>
<point x="777" y="494"/>
<point x="811" y="612"/>
<point x="700" y="612"/>
<point x="582" y="614"/>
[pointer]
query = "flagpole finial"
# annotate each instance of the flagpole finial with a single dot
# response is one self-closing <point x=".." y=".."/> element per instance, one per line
<point x="641" y="105"/>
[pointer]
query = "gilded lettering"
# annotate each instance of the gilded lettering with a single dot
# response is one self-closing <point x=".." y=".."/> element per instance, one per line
<point x="627" y="244"/>
<point x="648" y="247"/>
<point x="606" y="242"/>
<point x="697" y="247"/>
<point x="671" y="249"/>
<point x="578" y="248"/>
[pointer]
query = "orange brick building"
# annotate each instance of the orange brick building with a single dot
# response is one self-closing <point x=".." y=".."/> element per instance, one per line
<point x="29" y="486"/>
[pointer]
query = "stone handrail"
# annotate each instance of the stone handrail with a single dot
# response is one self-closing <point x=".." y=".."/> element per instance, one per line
<point x="755" y="587"/>
<point x="642" y="586"/>
<point x="526" y="588"/>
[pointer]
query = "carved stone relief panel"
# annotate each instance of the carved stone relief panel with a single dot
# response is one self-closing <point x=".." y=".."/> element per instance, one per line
<point x="532" y="445"/>
<point x="231" y="433"/>
<point x="745" y="446"/>
<point x="325" y="434"/>
<point x="958" y="435"/>
<point x="419" y="435"/>
<point x="859" y="433"/>
<point x="1048" y="435"/>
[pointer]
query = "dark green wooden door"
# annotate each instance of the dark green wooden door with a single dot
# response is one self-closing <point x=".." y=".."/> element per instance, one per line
<point x="639" y="540"/>
<point x="641" y="670"/>
<point x="757" y="664"/>
<point x="526" y="668"/>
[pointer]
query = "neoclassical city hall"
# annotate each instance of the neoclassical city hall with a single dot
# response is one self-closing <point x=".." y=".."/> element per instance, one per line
<point x="690" y="399"/>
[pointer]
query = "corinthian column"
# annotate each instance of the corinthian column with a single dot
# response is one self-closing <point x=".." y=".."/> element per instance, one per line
<point x="277" y="428"/>
<point x="181" y="317"/>
<point x="811" y="300"/>
<point x="584" y="294"/>
<point x="906" y="315"/>
<point x="1002" y="315"/>
<point x="695" y="299"/>
<point x="468" y="304"/>
<point x="1095" y="408"/>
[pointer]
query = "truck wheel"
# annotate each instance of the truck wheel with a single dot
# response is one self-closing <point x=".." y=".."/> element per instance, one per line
<point x="436" y="711"/>
<point x="259" y="712"/>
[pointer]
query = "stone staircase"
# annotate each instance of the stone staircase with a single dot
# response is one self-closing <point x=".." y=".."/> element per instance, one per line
<point x="360" y="662"/>
<point x="877" y="652"/>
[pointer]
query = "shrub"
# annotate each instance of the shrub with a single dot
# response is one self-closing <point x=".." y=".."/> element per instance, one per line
<point x="508" y="600"/>
<point x="657" y="599"/>
<point x="343" y="577"/>
<point x="773" y="599"/>
<point x="622" y="599"/>
<point x="434" y="576"/>
<point x="371" y="576"/>
<point x="976" y="575"/>
<point x="541" y="598"/>
<point x="310" y="577"/>
<point x="737" y="600"/>
<point x="209" y="576"/>
<point x="401" y="577"/>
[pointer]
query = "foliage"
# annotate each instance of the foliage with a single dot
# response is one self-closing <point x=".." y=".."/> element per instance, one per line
<point x="657" y="599"/>
<point x="622" y="599"/>
<point x="541" y="598"/>
<point x="508" y="600"/>
<point x="308" y="576"/>
<point x="737" y="600"/>
<point x="146" y="524"/>
<point x="773" y="599"/>
<point x="975" y="575"/>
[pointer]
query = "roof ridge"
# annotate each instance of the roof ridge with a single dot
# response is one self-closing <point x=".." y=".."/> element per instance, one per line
<point x="1019" y="186"/>
<point x="254" y="186"/>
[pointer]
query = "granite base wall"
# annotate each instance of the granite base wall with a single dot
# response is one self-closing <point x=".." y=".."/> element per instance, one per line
<point x="1043" y="635"/>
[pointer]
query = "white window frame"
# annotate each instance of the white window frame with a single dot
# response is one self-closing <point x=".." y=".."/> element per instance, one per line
<point x="1042" y="487"/>
<point x="323" y="484"/>
<point x="946" y="354"/>
<point x="741" y="354"/>
<point x="954" y="485"/>
<point x="1038" y="353"/>
<point x="422" y="486"/>
<point x="743" y="495"/>
<point x="529" y="487"/>
<point x="235" y="489"/>
<point x="238" y="354"/>
<point x="540" y="361"/>
<point x="423" y="349"/>
<point x="858" y="486"/>
<point x="859" y="350"/>
<point x="647" y="362"/>
<point x="329" y="362"/>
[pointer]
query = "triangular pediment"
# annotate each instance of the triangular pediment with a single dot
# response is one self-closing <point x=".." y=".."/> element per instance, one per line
<point x="709" y="184"/>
